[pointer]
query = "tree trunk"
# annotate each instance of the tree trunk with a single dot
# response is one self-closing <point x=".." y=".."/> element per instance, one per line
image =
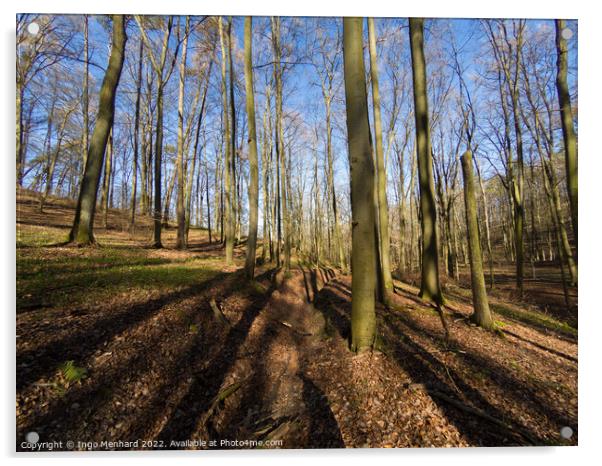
<point x="106" y="188"/>
<point x="136" y="138"/>
<point x="180" y="208"/>
<point x="487" y="229"/>
<point x="254" y="176"/>
<point x="568" y="130"/>
<point x="481" y="315"/>
<point x="283" y="196"/>
<point x="85" y="97"/>
<point x="381" y="176"/>
<point x="82" y="230"/>
<point x="430" y="289"/>
<point x="228" y="182"/>
<point x="363" y="317"/>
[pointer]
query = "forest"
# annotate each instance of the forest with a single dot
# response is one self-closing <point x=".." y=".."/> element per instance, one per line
<point x="295" y="232"/>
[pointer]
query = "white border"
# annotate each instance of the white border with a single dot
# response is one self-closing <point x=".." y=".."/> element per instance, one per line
<point x="591" y="260"/>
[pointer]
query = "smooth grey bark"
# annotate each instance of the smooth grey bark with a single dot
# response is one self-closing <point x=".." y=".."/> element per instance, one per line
<point x="363" y="262"/>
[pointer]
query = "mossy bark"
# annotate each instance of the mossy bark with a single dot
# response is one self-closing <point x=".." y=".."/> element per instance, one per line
<point x="481" y="315"/>
<point x="430" y="288"/>
<point x="82" y="230"/>
<point x="363" y="317"/>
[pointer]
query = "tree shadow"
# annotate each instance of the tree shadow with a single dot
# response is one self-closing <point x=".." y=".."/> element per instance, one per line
<point x="85" y="336"/>
<point x="542" y="347"/>
<point x="332" y="301"/>
<point x="324" y="431"/>
<point x="206" y="384"/>
<point x="61" y="420"/>
<point x="424" y="368"/>
<point x="524" y="393"/>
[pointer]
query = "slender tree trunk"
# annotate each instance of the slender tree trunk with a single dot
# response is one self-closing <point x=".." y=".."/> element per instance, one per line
<point x="82" y="231"/>
<point x="180" y="208"/>
<point x="265" y="181"/>
<point x="136" y="137"/>
<point x="487" y="228"/>
<point x="106" y="189"/>
<point x="208" y="203"/>
<point x="430" y="288"/>
<point x="53" y="158"/>
<point x="481" y="315"/>
<point x="85" y="97"/>
<point x="363" y="263"/>
<point x="228" y="182"/>
<point x="158" y="67"/>
<point x="568" y="130"/>
<point x="282" y="195"/>
<point x="254" y="181"/>
<point x="381" y="176"/>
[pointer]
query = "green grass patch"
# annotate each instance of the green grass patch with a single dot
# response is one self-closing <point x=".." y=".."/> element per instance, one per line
<point x="35" y="236"/>
<point x="534" y="318"/>
<point x="526" y="316"/>
<point x="56" y="277"/>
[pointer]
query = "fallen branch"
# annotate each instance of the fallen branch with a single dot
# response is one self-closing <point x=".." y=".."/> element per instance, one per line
<point x="220" y="398"/>
<point x="218" y="313"/>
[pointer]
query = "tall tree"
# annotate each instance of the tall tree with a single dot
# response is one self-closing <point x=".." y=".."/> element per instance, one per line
<point x="566" y="117"/>
<point x="181" y="211"/>
<point x="481" y="315"/>
<point x="228" y="182"/>
<point x="327" y="68"/>
<point x="363" y="262"/>
<point x="85" y="97"/>
<point x="82" y="230"/>
<point x="254" y="176"/>
<point x="136" y="135"/>
<point x="386" y="281"/>
<point x="430" y="288"/>
<point x="280" y="153"/>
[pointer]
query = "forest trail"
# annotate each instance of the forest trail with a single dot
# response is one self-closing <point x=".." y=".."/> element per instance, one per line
<point x="173" y="347"/>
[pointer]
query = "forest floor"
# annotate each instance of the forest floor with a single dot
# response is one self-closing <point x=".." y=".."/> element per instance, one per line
<point x="169" y="349"/>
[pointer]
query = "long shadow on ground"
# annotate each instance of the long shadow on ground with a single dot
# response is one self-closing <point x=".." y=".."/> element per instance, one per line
<point x="424" y="368"/>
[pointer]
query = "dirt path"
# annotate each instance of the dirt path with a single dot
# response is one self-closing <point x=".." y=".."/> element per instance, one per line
<point x="303" y="386"/>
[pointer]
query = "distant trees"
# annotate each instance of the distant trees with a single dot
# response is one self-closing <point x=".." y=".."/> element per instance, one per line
<point x="188" y="149"/>
<point x="83" y="224"/>
<point x="363" y="247"/>
<point x="430" y="287"/>
<point x="162" y="77"/>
